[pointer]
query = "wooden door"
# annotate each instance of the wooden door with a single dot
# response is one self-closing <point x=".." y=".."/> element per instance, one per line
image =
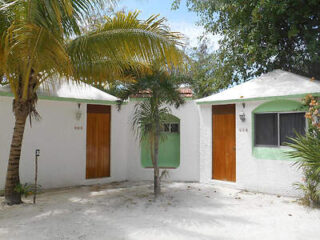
<point x="98" y="141"/>
<point x="224" y="143"/>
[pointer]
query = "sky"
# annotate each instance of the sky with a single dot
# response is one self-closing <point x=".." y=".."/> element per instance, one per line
<point x="181" y="20"/>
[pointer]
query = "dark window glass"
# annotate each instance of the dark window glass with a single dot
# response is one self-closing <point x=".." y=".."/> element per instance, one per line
<point x="290" y="124"/>
<point x="266" y="129"/>
<point x="166" y="127"/>
<point x="174" y="127"/>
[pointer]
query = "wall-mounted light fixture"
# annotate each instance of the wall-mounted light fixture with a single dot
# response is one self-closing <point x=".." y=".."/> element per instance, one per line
<point x="242" y="115"/>
<point x="78" y="112"/>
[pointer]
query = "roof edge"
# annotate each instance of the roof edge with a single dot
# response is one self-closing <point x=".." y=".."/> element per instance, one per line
<point x="257" y="98"/>
<point x="63" y="99"/>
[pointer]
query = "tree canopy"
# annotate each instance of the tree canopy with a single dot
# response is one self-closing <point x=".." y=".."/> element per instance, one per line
<point x="202" y="77"/>
<point x="261" y="35"/>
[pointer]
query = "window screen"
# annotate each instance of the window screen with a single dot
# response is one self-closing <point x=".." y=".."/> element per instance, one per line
<point x="174" y="127"/>
<point x="166" y="127"/>
<point x="266" y="129"/>
<point x="171" y="127"/>
<point x="290" y="124"/>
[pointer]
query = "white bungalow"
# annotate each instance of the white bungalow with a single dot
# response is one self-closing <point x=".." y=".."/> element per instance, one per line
<point x="235" y="137"/>
<point x="74" y="136"/>
<point x="83" y="139"/>
<point x="243" y="131"/>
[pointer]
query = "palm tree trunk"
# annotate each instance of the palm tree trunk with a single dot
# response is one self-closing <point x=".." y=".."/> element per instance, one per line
<point x="12" y="180"/>
<point x="157" y="187"/>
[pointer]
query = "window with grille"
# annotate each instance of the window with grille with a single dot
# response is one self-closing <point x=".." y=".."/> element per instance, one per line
<point x="276" y="129"/>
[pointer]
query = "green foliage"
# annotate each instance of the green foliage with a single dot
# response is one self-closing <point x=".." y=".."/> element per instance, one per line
<point x="26" y="189"/>
<point x="259" y="36"/>
<point x="122" y="44"/>
<point x="313" y="113"/>
<point x="306" y="151"/>
<point x="145" y="117"/>
<point x="159" y="90"/>
<point x="3" y="81"/>
<point x="114" y="88"/>
<point x="159" y="86"/>
<point x="203" y="78"/>
<point x="311" y="192"/>
<point x="42" y="40"/>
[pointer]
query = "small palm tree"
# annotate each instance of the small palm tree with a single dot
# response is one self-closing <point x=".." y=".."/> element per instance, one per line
<point x="306" y="151"/>
<point x="160" y="91"/>
<point x="41" y="42"/>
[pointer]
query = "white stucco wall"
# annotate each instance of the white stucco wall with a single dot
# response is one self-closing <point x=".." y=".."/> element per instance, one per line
<point x="189" y="145"/>
<point x="270" y="176"/>
<point x="205" y="138"/>
<point x="63" y="148"/>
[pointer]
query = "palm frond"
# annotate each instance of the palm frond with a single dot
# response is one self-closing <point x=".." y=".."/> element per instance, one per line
<point x="36" y="42"/>
<point x="145" y="116"/>
<point x="306" y="152"/>
<point x="124" y="40"/>
<point x="29" y="46"/>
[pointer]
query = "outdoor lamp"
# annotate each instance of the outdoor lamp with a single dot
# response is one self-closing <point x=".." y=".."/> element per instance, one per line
<point x="78" y="112"/>
<point x="242" y="115"/>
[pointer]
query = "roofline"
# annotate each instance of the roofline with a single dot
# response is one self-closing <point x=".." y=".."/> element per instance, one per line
<point x="63" y="99"/>
<point x="145" y="98"/>
<point x="257" y="98"/>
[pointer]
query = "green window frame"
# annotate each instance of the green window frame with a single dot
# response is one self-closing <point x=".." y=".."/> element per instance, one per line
<point x="169" y="147"/>
<point x="280" y="106"/>
<point x="171" y="127"/>
<point x="277" y="128"/>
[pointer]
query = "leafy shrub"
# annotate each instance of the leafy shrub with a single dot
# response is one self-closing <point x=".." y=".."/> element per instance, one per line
<point x="26" y="189"/>
<point x="306" y="151"/>
<point x="313" y="113"/>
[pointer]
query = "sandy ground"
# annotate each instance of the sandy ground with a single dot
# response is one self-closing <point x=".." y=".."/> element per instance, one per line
<point x="184" y="211"/>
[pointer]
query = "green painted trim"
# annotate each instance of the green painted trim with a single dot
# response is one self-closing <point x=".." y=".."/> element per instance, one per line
<point x="62" y="99"/>
<point x="259" y="98"/>
<point x="282" y="105"/>
<point x="271" y="153"/>
<point x="6" y="94"/>
<point x="169" y="149"/>
<point x="169" y="152"/>
<point x="173" y="119"/>
<point x="76" y="100"/>
<point x="274" y="153"/>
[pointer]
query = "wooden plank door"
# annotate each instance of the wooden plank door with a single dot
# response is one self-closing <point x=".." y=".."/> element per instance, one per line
<point x="224" y="142"/>
<point x="98" y="141"/>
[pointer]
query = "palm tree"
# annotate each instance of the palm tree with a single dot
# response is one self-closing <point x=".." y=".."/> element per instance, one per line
<point x="41" y="41"/>
<point x="160" y="90"/>
<point x="305" y="151"/>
